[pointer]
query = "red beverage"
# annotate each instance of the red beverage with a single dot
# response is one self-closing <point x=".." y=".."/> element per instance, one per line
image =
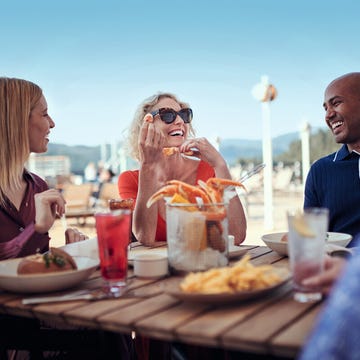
<point x="303" y="270"/>
<point x="113" y="233"/>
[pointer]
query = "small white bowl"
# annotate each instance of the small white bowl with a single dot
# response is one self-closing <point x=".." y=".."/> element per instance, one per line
<point x="150" y="266"/>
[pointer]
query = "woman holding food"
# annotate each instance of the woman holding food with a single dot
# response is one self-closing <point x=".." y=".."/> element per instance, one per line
<point x="27" y="207"/>
<point x="162" y="138"/>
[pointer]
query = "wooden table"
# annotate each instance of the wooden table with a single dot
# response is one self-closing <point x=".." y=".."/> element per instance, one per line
<point x="273" y="325"/>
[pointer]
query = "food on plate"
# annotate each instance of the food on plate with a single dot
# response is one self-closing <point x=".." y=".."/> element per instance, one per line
<point x="284" y="238"/>
<point x="168" y="151"/>
<point x="115" y="204"/>
<point x="52" y="261"/>
<point x="243" y="276"/>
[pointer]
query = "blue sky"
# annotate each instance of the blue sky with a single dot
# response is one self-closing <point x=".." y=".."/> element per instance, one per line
<point x="97" y="60"/>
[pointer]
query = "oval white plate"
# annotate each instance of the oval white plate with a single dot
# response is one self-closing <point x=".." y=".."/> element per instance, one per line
<point x="34" y="283"/>
<point x="174" y="290"/>
<point x="274" y="243"/>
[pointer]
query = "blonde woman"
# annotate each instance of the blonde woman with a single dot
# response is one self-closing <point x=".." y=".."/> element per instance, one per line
<point x="170" y="126"/>
<point x="27" y="207"/>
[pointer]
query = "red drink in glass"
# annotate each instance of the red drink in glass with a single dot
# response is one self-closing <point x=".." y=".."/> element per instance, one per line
<point x="113" y="233"/>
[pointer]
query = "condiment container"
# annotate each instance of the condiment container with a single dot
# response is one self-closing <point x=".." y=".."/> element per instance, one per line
<point x="150" y="266"/>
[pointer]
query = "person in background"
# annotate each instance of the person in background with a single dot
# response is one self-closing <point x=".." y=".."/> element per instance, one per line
<point x="170" y="126"/>
<point x="105" y="176"/>
<point x="90" y="172"/>
<point x="28" y="208"/>
<point x="334" y="180"/>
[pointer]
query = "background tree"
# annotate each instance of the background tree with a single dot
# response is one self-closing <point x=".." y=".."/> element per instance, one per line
<point x="321" y="143"/>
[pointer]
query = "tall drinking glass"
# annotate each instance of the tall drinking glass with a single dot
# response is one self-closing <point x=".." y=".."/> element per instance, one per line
<point x="113" y="234"/>
<point x="306" y="241"/>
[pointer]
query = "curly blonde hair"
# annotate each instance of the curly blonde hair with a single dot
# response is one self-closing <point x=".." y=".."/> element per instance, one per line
<point x="145" y="107"/>
<point x="17" y="99"/>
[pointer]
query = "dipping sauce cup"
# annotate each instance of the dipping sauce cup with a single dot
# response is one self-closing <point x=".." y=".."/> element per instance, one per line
<point x="306" y="242"/>
<point x="113" y="235"/>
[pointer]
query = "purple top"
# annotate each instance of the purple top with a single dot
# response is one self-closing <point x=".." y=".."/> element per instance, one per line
<point x="17" y="232"/>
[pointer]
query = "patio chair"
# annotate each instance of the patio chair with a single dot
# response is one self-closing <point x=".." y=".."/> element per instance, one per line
<point x="108" y="191"/>
<point x="78" y="204"/>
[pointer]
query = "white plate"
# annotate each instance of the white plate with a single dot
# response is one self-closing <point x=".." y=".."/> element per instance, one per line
<point x="34" y="283"/>
<point x="174" y="290"/>
<point x="273" y="241"/>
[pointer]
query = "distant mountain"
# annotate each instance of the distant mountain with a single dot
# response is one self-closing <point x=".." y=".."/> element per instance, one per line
<point x="231" y="149"/>
<point x="235" y="149"/>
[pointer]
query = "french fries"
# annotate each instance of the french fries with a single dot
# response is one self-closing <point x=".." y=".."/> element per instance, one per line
<point x="243" y="276"/>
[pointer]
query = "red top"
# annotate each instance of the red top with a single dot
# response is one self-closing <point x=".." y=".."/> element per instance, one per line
<point x="128" y="184"/>
<point x="17" y="236"/>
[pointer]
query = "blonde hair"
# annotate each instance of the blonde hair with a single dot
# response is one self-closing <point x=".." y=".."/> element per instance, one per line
<point x="17" y="99"/>
<point x="145" y="107"/>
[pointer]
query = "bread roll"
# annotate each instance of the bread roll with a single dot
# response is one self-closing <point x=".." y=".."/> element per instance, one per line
<point x="53" y="261"/>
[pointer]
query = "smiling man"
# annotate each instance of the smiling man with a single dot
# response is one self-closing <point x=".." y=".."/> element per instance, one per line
<point x="334" y="180"/>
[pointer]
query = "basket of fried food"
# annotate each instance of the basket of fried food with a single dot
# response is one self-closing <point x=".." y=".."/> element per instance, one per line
<point x="242" y="281"/>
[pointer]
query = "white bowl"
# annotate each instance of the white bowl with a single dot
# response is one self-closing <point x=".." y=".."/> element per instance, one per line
<point x="150" y="266"/>
<point x="273" y="241"/>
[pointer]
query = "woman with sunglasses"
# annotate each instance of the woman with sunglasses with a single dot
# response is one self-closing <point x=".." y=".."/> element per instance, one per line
<point x="169" y="126"/>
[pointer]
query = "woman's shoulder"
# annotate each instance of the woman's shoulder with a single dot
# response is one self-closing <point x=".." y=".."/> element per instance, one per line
<point x="129" y="174"/>
<point x="128" y="177"/>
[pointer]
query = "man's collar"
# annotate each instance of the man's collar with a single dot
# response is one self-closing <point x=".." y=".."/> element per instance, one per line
<point x="343" y="153"/>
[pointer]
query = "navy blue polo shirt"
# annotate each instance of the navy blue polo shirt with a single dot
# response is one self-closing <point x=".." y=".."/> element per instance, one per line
<point x="334" y="182"/>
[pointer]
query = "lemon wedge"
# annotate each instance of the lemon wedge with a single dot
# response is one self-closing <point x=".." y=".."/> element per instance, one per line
<point x="301" y="227"/>
<point x="178" y="199"/>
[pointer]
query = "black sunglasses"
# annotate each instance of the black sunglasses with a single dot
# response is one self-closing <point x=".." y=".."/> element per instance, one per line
<point x="168" y="115"/>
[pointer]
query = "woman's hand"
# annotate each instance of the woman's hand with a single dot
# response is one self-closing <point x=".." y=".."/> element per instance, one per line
<point x="325" y="281"/>
<point x="48" y="205"/>
<point x="151" y="143"/>
<point x="73" y="235"/>
<point x="204" y="150"/>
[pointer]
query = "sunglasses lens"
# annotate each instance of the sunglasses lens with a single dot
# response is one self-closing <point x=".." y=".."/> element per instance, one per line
<point x="168" y="116"/>
<point x="186" y="115"/>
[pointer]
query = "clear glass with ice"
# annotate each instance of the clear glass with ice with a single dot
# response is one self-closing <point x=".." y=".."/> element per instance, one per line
<point x="306" y="243"/>
<point x="197" y="236"/>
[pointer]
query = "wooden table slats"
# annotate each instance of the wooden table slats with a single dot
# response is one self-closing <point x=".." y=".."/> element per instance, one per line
<point x="271" y="325"/>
